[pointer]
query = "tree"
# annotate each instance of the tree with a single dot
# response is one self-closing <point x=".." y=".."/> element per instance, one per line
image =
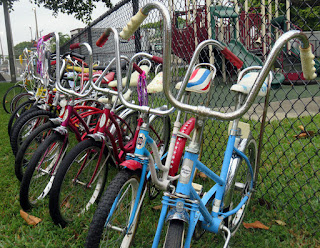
<point x="63" y="39"/>
<point x="81" y="9"/>
<point x="18" y="49"/>
<point x="9" y="3"/>
<point x="304" y="13"/>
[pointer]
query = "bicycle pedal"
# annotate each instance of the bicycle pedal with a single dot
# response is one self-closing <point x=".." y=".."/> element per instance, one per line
<point x="198" y="188"/>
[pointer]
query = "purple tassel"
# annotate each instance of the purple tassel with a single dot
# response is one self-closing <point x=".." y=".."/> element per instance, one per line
<point x="40" y="49"/>
<point x="142" y="90"/>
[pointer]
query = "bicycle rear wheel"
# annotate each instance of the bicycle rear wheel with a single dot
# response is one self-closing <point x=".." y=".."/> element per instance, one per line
<point x="109" y="226"/>
<point x="70" y="195"/>
<point x="39" y="175"/>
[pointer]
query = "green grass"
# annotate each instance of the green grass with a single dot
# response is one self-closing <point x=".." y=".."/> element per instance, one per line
<point x="288" y="166"/>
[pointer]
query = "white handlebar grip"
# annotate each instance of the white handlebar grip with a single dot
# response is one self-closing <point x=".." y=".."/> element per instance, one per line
<point x="307" y="63"/>
<point x="132" y="25"/>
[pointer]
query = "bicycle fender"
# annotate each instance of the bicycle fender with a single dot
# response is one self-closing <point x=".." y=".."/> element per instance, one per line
<point x="130" y="145"/>
<point x="95" y="136"/>
<point x="56" y="121"/>
<point x="62" y="130"/>
<point x="131" y="164"/>
<point x="173" y="214"/>
<point x="186" y="128"/>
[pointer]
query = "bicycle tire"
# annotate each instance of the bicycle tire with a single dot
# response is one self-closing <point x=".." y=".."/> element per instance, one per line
<point x="127" y="125"/>
<point x="19" y="99"/>
<point x="241" y="186"/>
<point x="29" y="146"/>
<point x="9" y="95"/>
<point x="40" y="172"/>
<point x="175" y="234"/>
<point x="24" y="126"/>
<point x="21" y="110"/>
<point x="98" y="233"/>
<point x="69" y="196"/>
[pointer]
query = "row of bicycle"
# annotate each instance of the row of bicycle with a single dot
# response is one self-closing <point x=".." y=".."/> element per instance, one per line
<point x="85" y="136"/>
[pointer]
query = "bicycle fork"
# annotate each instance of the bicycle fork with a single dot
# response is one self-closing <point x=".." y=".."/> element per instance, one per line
<point x="142" y="189"/>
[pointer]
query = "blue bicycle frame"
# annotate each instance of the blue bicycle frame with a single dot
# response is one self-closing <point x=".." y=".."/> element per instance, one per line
<point x="192" y="203"/>
<point x="141" y="155"/>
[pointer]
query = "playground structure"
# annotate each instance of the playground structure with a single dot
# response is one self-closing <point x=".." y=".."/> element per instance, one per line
<point x="247" y="31"/>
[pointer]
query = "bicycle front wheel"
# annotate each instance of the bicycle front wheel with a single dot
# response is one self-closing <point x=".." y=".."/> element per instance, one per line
<point x="109" y="226"/>
<point x="242" y="186"/>
<point x="9" y="95"/>
<point x="160" y="132"/>
<point x="25" y="125"/>
<point x="39" y="175"/>
<point x="74" y="190"/>
<point x="18" y="100"/>
<point x="21" y="110"/>
<point x="175" y="234"/>
<point x="30" y="145"/>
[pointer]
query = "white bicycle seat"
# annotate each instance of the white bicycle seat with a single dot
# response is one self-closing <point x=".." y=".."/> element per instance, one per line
<point x="245" y="84"/>
<point x="126" y="96"/>
<point x="156" y="84"/>
<point x="200" y="81"/>
<point x="134" y="77"/>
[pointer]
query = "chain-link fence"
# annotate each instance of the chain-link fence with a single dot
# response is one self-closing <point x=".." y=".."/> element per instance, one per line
<point x="289" y="167"/>
<point x="5" y="69"/>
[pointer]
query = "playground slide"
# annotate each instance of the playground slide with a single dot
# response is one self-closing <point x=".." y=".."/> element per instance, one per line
<point x="249" y="59"/>
<point x="281" y="23"/>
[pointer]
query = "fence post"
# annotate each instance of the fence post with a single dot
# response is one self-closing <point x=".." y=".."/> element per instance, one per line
<point x="137" y="43"/>
<point x="9" y="42"/>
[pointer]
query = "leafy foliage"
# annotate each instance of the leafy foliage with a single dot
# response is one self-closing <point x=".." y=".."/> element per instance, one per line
<point x="305" y="14"/>
<point x="18" y="49"/>
<point x="9" y="3"/>
<point x="80" y="9"/>
<point x="63" y="39"/>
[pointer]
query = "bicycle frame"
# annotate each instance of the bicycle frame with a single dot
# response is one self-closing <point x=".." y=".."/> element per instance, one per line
<point x="140" y="160"/>
<point x="191" y="201"/>
<point x="107" y="120"/>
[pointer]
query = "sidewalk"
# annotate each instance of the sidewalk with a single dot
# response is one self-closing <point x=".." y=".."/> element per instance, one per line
<point x="286" y="109"/>
<point x="283" y="109"/>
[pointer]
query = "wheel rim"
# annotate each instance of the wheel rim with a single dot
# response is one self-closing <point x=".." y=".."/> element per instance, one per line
<point x="43" y="175"/>
<point x="75" y="196"/>
<point x="242" y="186"/>
<point x="30" y="126"/>
<point x="128" y="127"/>
<point x="32" y="148"/>
<point x="116" y="234"/>
<point x="9" y="97"/>
<point x="158" y="133"/>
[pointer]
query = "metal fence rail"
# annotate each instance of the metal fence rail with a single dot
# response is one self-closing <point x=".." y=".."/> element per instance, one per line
<point x="289" y="170"/>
